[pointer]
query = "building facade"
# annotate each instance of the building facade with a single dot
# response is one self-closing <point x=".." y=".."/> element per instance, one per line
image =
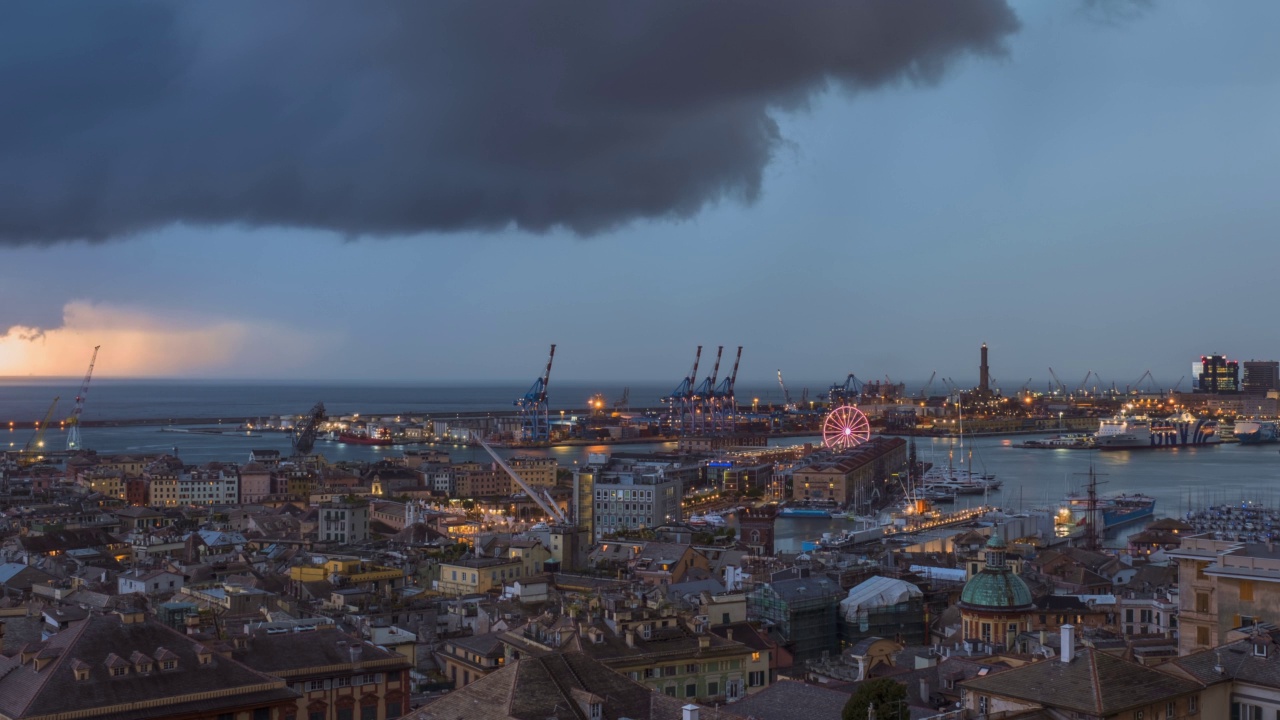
<point x="641" y="496"/>
<point x="344" y="522"/>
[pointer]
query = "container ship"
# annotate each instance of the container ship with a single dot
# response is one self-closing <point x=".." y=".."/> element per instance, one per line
<point x="1135" y="432"/>
<point x="1257" y="432"/>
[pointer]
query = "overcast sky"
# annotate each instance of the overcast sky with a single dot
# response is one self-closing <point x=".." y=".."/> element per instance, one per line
<point x="436" y="192"/>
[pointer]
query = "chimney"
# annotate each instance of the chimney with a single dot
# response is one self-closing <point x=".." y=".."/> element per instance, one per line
<point x="690" y="712"/>
<point x="704" y="642"/>
<point x="631" y="638"/>
<point x="729" y="633"/>
<point x="1068" y="650"/>
<point x="924" y="690"/>
<point x="1044" y="637"/>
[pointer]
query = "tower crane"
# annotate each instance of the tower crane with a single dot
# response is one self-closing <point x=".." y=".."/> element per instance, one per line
<point x="543" y="499"/>
<point x="786" y="394"/>
<point x="1178" y="384"/>
<point x="73" y="422"/>
<point x="31" y="451"/>
<point x="304" y="436"/>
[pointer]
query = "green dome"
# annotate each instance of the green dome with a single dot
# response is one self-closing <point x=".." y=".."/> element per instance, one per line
<point x="996" y="542"/>
<point x="996" y="588"/>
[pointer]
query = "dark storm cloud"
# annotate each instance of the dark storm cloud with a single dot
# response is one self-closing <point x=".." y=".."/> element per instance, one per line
<point x="401" y="117"/>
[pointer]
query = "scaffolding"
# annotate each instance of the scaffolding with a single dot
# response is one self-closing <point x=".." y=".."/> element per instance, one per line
<point x="804" y="611"/>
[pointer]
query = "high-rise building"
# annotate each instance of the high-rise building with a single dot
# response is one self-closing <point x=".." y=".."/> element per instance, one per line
<point x="1261" y="375"/>
<point x="984" y="372"/>
<point x="1217" y="374"/>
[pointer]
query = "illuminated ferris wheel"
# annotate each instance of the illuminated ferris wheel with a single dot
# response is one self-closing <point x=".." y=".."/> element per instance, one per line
<point x="845" y="427"/>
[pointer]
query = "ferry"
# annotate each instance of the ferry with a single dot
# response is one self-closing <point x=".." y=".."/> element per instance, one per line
<point x="1133" y="432"/>
<point x="1257" y="432"/>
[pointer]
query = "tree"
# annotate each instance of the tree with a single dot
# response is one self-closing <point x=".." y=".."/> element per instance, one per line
<point x="887" y="696"/>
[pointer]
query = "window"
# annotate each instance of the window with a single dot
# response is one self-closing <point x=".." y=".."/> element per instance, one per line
<point x="1138" y="715"/>
<point x="168" y="664"/>
<point x="1202" y="635"/>
<point x="1245" y="711"/>
<point x="1193" y="704"/>
<point x="314" y="685"/>
<point x="1128" y="615"/>
<point x="670" y="690"/>
<point x="691" y="668"/>
<point x="1202" y="602"/>
<point x="669" y="670"/>
<point x="1170" y="708"/>
<point x="346" y="713"/>
<point x="369" y="712"/>
<point x="691" y="690"/>
<point x="315" y="715"/>
<point x="262" y="714"/>
<point x="713" y="688"/>
<point x="118" y="671"/>
<point x="755" y="679"/>
<point x="1246" y="590"/>
<point x="342" y="682"/>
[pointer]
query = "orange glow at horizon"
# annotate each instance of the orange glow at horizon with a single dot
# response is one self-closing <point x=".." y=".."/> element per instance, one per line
<point x="136" y="343"/>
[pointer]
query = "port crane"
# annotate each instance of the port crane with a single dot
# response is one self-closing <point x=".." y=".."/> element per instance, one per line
<point x="725" y="405"/>
<point x="786" y="394"/>
<point x="1083" y="387"/>
<point x="1178" y="384"/>
<point x="31" y="452"/>
<point x="924" y="392"/>
<point x="1059" y="387"/>
<point x="534" y="413"/>
<point x="73" y="422"/>
<point x="847" y="393"/>
<point x="304" y="434"/>
<point x="624" y="403"/>
<point x="704" y="396"/>
<point x="1137" y="385"/>
<point x="541" y="497"/>
<point x="679" y="398"/>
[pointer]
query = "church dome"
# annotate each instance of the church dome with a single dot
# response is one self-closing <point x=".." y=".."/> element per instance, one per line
<point x="996" y="587"/>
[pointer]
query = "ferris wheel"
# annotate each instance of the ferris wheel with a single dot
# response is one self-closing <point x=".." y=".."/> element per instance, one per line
<point x="845" y="427"/>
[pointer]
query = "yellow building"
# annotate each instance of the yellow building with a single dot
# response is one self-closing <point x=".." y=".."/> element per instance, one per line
<point x="478" y="575"/>
<point x="535" y="471"/>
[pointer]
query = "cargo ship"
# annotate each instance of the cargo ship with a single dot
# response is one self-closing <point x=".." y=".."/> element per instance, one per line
<point x="1113" y="510"/>
<point x="1135" y="432"/>
<point x="1257" y="432"/>
<point x="1061" y="442"/>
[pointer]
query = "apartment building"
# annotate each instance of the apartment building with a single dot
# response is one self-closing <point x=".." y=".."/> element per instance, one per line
<point x="1223" y="585"/>
<point x="344" y="522"/>
<point x="639" y="496"/>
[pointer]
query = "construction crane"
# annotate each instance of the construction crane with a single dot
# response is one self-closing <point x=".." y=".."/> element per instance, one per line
<point x="1060" y="388"/>
<point x="73" y="422"/>
<point x="1178" y="384"/>
<point x="31" y="452"/>
<point x="924" y="391"/>
<point x="786" y="394"/>
<point x="543" y="499"/>
<point x="304" y="435"/>
<point x="534" y="413"/>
